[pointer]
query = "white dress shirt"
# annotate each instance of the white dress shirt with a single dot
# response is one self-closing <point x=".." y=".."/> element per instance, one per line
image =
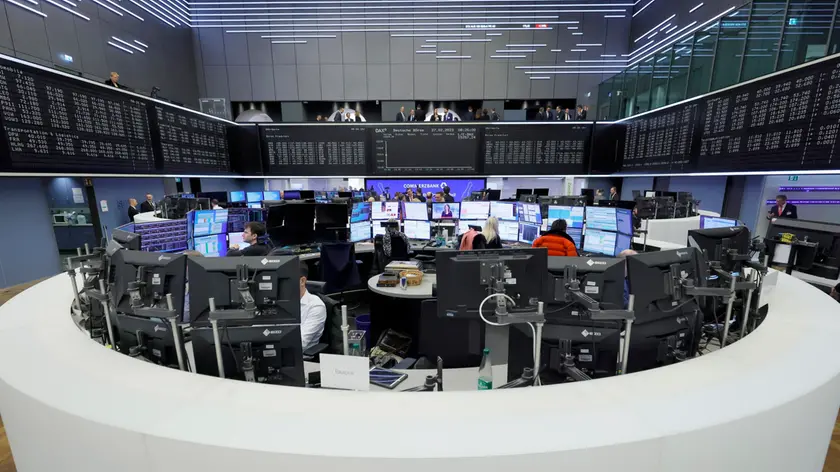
<point x="313" y="315"/>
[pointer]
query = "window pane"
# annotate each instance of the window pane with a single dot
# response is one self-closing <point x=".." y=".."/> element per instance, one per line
<point x="806" y="32"/>
<point x="628" y="92"/>
<point x="679" y="70"/>
<point x="763" y="38"/>
<point x="733" y="32"/>
<point x="660" y="79"/>
<point x="605" y="89"/>
<point x="701" y="61"/>
<point x="643" y="86"/>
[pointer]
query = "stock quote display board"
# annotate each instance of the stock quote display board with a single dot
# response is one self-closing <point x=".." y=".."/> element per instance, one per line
<point x="536" y="149"/>
<point x="425" y="149"/>
<point x="315" y="150"/>
<point x="788" y="121"/>
<point x="53" y="123"/>
<point x="663" y="141"/>
<point x="186" y="141"/>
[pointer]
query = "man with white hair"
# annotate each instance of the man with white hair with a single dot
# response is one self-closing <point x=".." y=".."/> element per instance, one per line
<point x="623" y="255"/>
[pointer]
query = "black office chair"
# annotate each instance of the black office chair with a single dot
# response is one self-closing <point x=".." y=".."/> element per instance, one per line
<point x="331" y="341"/>
<point x="399" y="252"/>
<point x="339" y="267"/>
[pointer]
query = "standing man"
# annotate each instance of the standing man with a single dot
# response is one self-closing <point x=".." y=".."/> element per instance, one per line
<point x="541" y="114"/>
<point x="412" y="117"/>
<point x="319" y="118"/>
<point x="566" y="116"/>
<point x="494" y="116"/>
<point x="614" y="194"/>
<point x="470" y="115"/>
<point x="340" y="115"/>
<point x="549" y="115"/>
<point x="582" y="114"/>
<point x="113" y="80"/>
<point x="446" y="197"/>
<point x="558" y="113"/>
<point x="448" y="115"/>
<point x="782" y="209"/>
<point x="148" y="205"/>
<point x="132" y="209"/>
<point x="313" y="313"/>
<point x="401" y="114"/>
<point x="420" y="114"/>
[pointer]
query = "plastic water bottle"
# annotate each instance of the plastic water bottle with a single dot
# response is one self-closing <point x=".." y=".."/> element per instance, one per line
<point x="485" y="372"/>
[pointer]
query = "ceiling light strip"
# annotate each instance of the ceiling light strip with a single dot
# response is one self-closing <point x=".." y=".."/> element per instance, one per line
<point x="577" y="50"/>
<point x="171" y="20"/>
<point x="448" y="51"/>
<point x="107" y="7"/>
<point x="161" y="4"/>
<point x="615" y="16"/>
<point x="583" y="45"/>
<point x="493" y="34"/>
<point x="458" y="40"/>
<point x="29" y="9"/>
<point x="668" y="31"/>
<point x="524" y="45"/>
<point x="695" y="8"/>
<point x="344" y="30"/>
<point x="119" y="47"/>
<point x="654" y="28"/>
<point x="540" y="78"/>
<point x="289" y="42"/>
<point x="65" y="1"/>
<point x="503" y="51"/>
<point x="426" y="51"/>
<point x="666" y="40"/>
<point x="561" y="72"/>
<point x="152" y="13"/>
<point x="128" y="44"/>
<point x="144" y="45"/>
<point x="643" y="8"/>
<point x="453" y="57"/>
<point x="125" y="10"/>
<point x="556" y="50"/>
<point x="301" y="36"/>
<point x="677" y="37"/>
<point x="577" y="34"/>
<point x="424" y="35"/>
<point x="51" y="2"/>
<point x="344" y="6"/>
<point x="508" y="56"/>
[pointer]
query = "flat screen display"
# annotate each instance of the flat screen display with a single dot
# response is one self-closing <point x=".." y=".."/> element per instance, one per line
<point x="508" y="230"/>
<point x="385" y="210"/>
<point x="237" y="239"/>
<point x="716" y="222"/>
<point x="237" y="196"/>
<point x="254" y="196"/>
<point x="475" y="210"/>
<point x="360" y="231"/>
<point x="528" y="233"/>
<point x="378" y="230"/>
<point x="360" y="212"/>
<point x="572" y="214"/>
<point x="529" y="213"/>
<point x="325" y="149"/>
<point x="576" y="234"/>
<point x="425" y="150"/>
<point x="211" y="246"/>
<point x="458" y="188"/>
<point x="418" y="230"/>
<point x="271" y="195"/>
<point x="504" y="211"/>
<point x="189" y="141"/>
<point x="255" y="206"/>
<point x="602" y="218"/>
<point x="464" y="225"/>
<point x="288" y="195"/>
<point x="599" y="242"/>
<point x="208" y="222"/>
<point x="536" y="149"/>
<point x="446" y="211"/>
<point x="624" y="221"/>
<point x="416" y="211"/>
<point x="622" y="243"/>
<point x="663" y="140"/>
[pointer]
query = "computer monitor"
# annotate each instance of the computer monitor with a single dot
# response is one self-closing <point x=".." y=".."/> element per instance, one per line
<point x="158" y="275"/>
<point x="331" y="215"/>
<point x="494" y="194"/>
<point x="708" y="222"/>
<point x="345" y="194"/>
<point x="600" y="218"/>
<point x="541" y="192"/>
<point x="306" y="194"/>
<point x="255" y="206"/>
<point x="577" y="235"/>
<point x="464" y="225"/>
<point x="236" y="238"/>
<point x="523" y="191"/>
<point x="529" y="213"/>
<point x="274" y="349"/>
<point x="271" y="195"/>
<point x="572" y="214"/>
<point x="360" y="212"/>
<point x="298" y="224"/>
<point x="712" y="242"/>
<point x="416" y="211"/>
<point x="475" y="210"/>
<point x="254" y="197"/>
<point x="215" y="245"/>
<point x="289" y="195"/>
<point x="623" y="242"/>
<point x="504" y="211"/>
<point x="378" y="229"/>
<point x="273" y="282"/>
<point x="152" y="337"/>
<point x="446" y="211"/>
<point x="464" y="277"/>
<point x="207" y="222"/>
<point x="127" y="239"/>
<point x="508" y="231"/>
<point x="624" y="221"/>
<point x="237" y="196"/>
<point x="604" y="276"/>
<point x="599" y="242"/>
<point x="421" y="230"/>
<point x="360" y="231"/>
<point x="528" y="233"/>
<point x="385" y="210"/>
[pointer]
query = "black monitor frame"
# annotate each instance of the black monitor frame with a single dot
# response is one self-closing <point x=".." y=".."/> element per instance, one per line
<point x="162" y="274"/>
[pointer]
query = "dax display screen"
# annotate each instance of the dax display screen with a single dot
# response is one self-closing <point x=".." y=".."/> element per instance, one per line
<point x="320" y="150"/>
<point x="663" y="140"/>
<point x="789" y="121"/>
<point x="51" y="122"/>
<point x="188" y="141"/>
<point x="536" y="149"/>
<point x="425" y="149"/>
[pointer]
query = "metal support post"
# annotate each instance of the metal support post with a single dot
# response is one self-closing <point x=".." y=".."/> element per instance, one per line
<point x="216" y="341"/>
<point x="107" y="309"/>
<point x="628" y="327"/>
<point x="175" y="333"/>
<point x="728" y="311"/>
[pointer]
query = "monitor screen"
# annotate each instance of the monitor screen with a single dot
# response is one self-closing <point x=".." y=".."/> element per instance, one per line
<point x="360" y="212"/>
<point x="378" y="229"/>
<point x="271" y="195"/>
<point x="464" y="225"/>
<point x="416" y="211"/>
<point x="602" y="218"/>
<point x="254" y="196"/>
<point x="445" y="211"/>
<point x="572" y="214"/>
<point x="360" y="231"/>
<point x="529" y="213"/>
<point x="622" y="243"/>
<point x="458" y="188"/>
<point x="707" y="222"/>
<point x="503" y="210"/>
<point x="211" y="246"/>
<point x="236" y="238"/>
<point x="288" y="195"/>
<point x="576" y="234"/>
<point x="599" y="242"/>
<point x="624" y="221"/>
<point x="385" y="210"/>
<point x="210" y="222"/>
<point x="528" y="233"/>
<point x="508" y="230"/>
<point x="418" y="230"/>
<point x="475" y="210"/>
<point x="256" y="206"/>
<point x="237" y="196"/>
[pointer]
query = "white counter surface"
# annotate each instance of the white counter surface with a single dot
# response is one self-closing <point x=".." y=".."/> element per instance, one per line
<point x="767" y="403"/>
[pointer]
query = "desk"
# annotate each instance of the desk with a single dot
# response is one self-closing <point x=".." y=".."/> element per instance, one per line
<point x="395" y="308"/>
<point x="420" y="292"/>
<point x="454" y="380"/>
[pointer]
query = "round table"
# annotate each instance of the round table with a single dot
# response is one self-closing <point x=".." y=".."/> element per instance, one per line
<point x="400" y="310"/>
<point x="421" y="292"/>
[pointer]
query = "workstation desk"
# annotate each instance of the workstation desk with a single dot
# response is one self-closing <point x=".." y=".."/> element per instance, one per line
<point x="766" y="403"/>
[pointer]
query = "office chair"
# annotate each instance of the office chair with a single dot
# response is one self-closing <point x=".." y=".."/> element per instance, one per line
<point x="399" y="252"/>
<point x="331" y="341"/>
<point x="339" y="267"/>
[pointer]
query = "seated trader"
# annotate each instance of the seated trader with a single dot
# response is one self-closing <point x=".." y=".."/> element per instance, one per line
<point x="132" y="209"/>
<point x="782" y="209"/>
<point x="214" y="205"/>
<point x="488" y="238"/>
<point x="313" y="313"/>
<point x="253" y="231"/>
<point x="558" y="242"/>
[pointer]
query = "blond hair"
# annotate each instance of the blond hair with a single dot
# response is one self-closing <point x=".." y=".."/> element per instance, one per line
<point x="490" y="229"/>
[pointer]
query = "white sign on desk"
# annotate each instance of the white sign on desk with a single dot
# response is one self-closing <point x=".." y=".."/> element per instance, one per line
<point x="345" y="372"/>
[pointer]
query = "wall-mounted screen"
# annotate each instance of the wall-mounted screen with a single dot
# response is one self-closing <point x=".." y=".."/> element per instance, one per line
<point x="458" y="188"/>
<point x="315" y="150"/>
<point x="446" y="211"/>
<point x="536" y="149"/>
<point x="186" y="141"/>
<point x="423" y="150"/>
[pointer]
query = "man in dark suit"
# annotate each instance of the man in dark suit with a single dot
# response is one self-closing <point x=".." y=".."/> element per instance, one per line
<point x="494" y="116"/>
<point x="469" y="115"/>
<point x="614" y="194"/>
<point x="549" y="115"/>
<point x="401" y="114"/>
<point x="583" y="112"/>
<point x="412" y="116"/>
<point x="558" y="113"/>
<point x="132" y="209"/>
<point x="541" y="114"/>
<point x="566" y="116"/>
<point x="340" y="115"/>
<point x="782" y="209"/>
<point x="148" y="205"/>
<point x="420" y="114"/>
<point x="449" y="116"/>
<point x="113" y="80"/>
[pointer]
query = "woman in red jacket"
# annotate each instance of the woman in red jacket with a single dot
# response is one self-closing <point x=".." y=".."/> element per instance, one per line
<point x="558" y="242"/>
